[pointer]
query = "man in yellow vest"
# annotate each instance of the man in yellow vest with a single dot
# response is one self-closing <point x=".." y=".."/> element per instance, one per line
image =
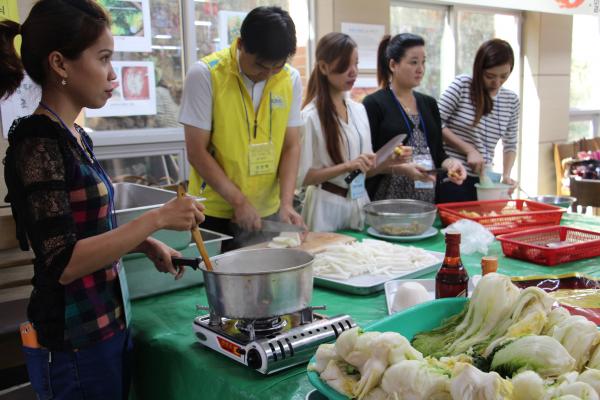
<point x="241" y="114"/>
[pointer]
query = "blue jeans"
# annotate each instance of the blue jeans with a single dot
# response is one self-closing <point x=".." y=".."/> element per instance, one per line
<point x="101" y="371"/>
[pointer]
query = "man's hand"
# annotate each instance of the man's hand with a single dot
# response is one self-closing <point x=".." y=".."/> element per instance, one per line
<point x="246" y="216"/>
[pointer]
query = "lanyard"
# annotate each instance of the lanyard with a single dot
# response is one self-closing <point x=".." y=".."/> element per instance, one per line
<point x="95" y="165"/>
<point x="407" y="121"/>
<point x="256" y="115"/>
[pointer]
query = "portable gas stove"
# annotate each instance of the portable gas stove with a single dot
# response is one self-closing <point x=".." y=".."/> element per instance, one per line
<point x="274" y="344"/>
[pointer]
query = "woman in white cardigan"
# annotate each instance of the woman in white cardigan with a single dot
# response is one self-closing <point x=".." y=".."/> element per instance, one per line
<point x="336" y="146"/>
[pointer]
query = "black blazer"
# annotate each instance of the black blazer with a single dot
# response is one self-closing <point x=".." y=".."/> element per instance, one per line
<point x="386" y="121"/>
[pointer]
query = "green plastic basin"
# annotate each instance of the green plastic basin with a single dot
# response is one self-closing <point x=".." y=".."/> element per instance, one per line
<point x="422" y="317"/>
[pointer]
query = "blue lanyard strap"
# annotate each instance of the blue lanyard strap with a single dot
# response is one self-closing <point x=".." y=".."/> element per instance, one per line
<point x="407" y="121"/>
<point x="95" y="165"/>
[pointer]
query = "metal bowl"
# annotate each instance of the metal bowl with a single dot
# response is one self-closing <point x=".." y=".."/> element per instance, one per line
<point x="400" y="217"/>
<point x="561" y="201"/>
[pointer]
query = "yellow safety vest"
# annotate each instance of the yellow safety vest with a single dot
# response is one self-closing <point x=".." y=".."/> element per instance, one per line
<point x="233" y="132"/>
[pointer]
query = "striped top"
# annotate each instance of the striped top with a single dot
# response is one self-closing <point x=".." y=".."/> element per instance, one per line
<point x="60" y="198"/>
<point x="457" y="113"/>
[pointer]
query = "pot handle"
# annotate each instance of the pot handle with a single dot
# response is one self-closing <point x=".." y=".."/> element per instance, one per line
<point x="186" y="261"/>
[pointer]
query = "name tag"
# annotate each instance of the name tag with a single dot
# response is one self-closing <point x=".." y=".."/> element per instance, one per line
<point x="357" y="187"/>
<point x="425" y="161"/>
<point x="261" y="159"/>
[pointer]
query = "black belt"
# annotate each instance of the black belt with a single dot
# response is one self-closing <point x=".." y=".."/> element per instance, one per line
<point x="335" y="189"/>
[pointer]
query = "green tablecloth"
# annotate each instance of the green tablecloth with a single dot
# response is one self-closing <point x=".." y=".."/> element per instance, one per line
<point x="170" y="364"/>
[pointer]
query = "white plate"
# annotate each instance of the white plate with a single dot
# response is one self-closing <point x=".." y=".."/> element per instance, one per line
<point x="391" y="287"/>
<point x="366" y="284"/>
<point x="409" y="238"/>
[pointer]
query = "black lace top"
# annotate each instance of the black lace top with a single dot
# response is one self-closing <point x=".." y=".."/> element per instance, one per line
<point x="58" y="198"/>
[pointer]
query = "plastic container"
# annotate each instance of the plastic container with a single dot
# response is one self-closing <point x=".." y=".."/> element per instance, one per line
<point x="551" y="246"/>
<point x="498" y="191"/>
<point x="408" y="323"/>
<point x="502" y="216"/>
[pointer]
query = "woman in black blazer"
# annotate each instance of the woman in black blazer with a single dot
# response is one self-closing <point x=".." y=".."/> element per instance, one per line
<point x="397" y="109"/>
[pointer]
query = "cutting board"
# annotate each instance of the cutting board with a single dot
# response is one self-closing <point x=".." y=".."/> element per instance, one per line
<point x="315" y="242"/>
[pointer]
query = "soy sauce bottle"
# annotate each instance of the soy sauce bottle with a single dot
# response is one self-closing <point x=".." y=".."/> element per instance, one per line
<point x="452" y="280"/>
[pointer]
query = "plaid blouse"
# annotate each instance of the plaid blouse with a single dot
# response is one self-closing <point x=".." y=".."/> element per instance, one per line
<point x="60" y="198"/>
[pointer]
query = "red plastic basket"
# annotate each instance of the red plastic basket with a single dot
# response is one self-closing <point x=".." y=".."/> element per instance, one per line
<point x="532" y="245"/>
<point x="495" y="215"/>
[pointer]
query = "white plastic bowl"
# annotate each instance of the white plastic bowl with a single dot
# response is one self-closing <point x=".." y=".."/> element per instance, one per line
<point x="499" y="191"/>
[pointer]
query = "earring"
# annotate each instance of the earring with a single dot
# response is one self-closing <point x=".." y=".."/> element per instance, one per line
<point x="63" y="82"/>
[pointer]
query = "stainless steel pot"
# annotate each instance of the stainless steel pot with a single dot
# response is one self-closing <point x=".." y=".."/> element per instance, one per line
<point x="257" y="283"/>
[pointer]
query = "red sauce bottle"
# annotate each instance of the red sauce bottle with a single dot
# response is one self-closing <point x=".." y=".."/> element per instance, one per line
<point x="452" y="280"/>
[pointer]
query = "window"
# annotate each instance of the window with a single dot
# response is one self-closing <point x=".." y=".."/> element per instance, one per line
<point x="453" y="34"/>
<point x="474" y="28"/>
<point x="584" y="100"/>
<point x="218" y="22"/>
<point x="429" y="23"/>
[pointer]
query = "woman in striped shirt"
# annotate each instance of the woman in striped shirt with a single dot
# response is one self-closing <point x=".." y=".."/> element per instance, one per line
<point x="476" y="113"/>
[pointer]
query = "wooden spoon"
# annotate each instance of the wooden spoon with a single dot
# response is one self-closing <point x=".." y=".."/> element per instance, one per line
<point x="196" y="235"/>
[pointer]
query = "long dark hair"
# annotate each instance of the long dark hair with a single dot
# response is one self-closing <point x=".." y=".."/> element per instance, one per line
<point x="67" y="26"/>
<point x="393" y="48"/>
<point x="490" y="54"/>
<point x="333" y="47"/>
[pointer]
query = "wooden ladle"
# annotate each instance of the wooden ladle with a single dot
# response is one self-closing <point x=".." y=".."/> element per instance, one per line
<point x="196" y="235"/>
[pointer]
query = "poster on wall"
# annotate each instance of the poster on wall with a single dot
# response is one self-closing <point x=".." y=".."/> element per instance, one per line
<point x="134" y="92"/>
<point x="367" y="38"/>
<point x="130" y="24"/>
<point x="22" y="102"/>
<point x="230" y="23"/>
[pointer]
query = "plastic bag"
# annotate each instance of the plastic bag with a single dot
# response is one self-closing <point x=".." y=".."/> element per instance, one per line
<point x="474" y="236"/>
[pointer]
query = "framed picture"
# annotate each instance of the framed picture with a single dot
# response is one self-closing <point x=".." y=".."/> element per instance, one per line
<point x="230" y="23"/>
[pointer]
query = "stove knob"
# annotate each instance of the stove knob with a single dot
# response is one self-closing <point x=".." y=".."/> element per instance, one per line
<point x="253" y="359"/>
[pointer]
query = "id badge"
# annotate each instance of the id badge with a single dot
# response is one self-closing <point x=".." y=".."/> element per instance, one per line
<point x="357" y="187"/>
<point x="426" y="162"/>
<point x="261" y="159"/>
<point x="124" y="291"/>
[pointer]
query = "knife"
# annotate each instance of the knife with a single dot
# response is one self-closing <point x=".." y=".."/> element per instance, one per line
<point x="268" y="225"/>
<point x="381" y="155"/>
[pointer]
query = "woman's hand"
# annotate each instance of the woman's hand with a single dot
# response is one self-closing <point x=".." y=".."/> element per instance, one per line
<point x="456" y="172"/>
<point x="363" y="162"/>
<point x="389" y="165"/>
<point x="507" y="180"/>
<point x="414" y="171"/>
<point x="180" y="214"/>
<point x="160" y="254"/>
<point x="475" y="161"/>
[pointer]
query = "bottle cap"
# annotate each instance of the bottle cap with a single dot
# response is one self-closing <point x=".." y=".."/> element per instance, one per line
<point x="452" y="236"/>
<point x="489" y="264"/>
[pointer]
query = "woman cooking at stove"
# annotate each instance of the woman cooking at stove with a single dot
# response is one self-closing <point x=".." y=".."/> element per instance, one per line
<point x="336" y="141"/>
<point x="77" y="345"/>
<point x="477" y="112"/>
<point x="398" y="109"/>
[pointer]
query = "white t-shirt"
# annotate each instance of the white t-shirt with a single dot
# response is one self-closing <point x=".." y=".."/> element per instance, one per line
<point x="196" y="102"/>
